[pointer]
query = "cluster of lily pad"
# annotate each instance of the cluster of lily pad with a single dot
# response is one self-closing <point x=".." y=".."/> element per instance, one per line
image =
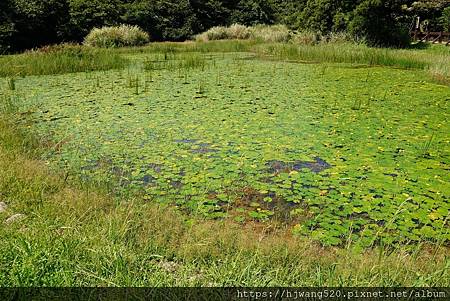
<point x="254" y="140"/>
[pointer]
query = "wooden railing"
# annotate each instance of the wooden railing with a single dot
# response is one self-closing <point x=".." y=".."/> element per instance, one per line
<point x="433" y="37"/>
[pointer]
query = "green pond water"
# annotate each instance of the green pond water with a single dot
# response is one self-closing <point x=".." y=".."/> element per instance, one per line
<point x="336" y="152"/>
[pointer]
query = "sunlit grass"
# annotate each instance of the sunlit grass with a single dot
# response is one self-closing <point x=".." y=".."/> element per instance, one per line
<point x="58" y="60"/>
<point x="434" y="60"/>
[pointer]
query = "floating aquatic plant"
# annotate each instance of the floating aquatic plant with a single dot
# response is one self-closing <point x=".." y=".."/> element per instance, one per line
<point x="271" y="141"/>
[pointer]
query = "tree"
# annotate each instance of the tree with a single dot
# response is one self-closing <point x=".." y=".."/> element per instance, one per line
<point x="87" y="14"/>
<point x="288" y="11"/>
<point x="252" y="12"/>
<point x="7" y="28"/>
<point x="430" y="12"/>
<point x="36" y="23"/>
<point x="318" y="15"/>
<point x="210" y="13"/>
<point x="444" y="20"/>
<point x="378" y="22"/>
<point x="166" y="20"/>
<point x="325" y="16"/>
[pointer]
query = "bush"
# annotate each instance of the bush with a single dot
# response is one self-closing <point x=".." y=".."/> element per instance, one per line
<point x="273" y="33"/>
<point x="85" y="15"/>
<point x="117" y="36"/>
<point x="213" y="34"/>
<point x="305" y="37"/>
<point x="234" y="32"/>
<point x="340" y="38"/>
<point x="239" y="32"/>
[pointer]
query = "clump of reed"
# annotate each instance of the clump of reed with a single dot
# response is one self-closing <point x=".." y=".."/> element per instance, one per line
<point x="343" y="53"/>
<point x="440" y="70"/>
<point x="305" y="38"/>
<point x="8" y="104"/>
<point x="117" y="36"/>
<point x="172" y="61"/>
<point x="271" y="33"/>
<point x="12" y="83"/>
<point x="59" y="59"/>
<point x="233" y="32"/>
<point x="263" y="33"/>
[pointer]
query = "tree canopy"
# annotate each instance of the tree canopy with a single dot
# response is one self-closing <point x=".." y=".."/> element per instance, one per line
<point x="33" y="23"/>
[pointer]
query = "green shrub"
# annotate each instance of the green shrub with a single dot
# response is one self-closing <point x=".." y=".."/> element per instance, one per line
<point x="213" y="34"/>
<point x="234" y="32"/>
<point x="117" y="36"/>
<point x="340" y="38"/>
<point x="264" y="33"/>
<point x="305" y="37"/>
<point x="239" y="32"/>
<point x="272" y="33"/>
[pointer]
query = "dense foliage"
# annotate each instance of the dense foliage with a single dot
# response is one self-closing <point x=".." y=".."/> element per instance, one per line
<point x="32" y="23"/>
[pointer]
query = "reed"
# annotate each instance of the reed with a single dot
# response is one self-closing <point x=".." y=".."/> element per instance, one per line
<point x="60" y="59"/>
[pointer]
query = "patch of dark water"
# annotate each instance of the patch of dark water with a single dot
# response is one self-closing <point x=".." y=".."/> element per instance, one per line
<point x="317" y="166"/>
<point x="154" y="166"/>
<point x="393" y="175"/>
<point x="199" y="147"/>
<point x="176" y="184"/>
<point x="118" y="172"/>
<point x="55" y="118"/>
<point x="282" y="209"/>
<point x="147" y="180"/>
<point x="203" y="150"/>
<point x="186" y="141"/>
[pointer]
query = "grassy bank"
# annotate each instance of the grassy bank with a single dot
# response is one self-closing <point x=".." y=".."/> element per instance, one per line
<point x="58" y="60"/>
<point x="435" y="62"/>
<point x="70" y="236"/>
<point x="433" y="59"/>
<point x="66" y="59"/>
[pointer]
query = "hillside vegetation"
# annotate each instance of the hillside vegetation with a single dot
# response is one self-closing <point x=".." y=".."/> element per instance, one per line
<point x="25" y="25"/>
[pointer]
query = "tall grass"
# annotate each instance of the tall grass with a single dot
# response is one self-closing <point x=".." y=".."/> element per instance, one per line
<point x="439" y="68"/>
<point x="342" y="53"/>
<point x="235" y="31"/>
<point x="117" y="36"/>
<point x="436" y="64"/>
<point x="278" y="42"/>
<point x="221" y="46"/>
<point x="176" y="61"/>
<point x="262" y="33"/>
<point x="332" y="49"/>
<point x="271" y="33"/>
<point x="305" y="38"/>
<point x="60" y="59"/>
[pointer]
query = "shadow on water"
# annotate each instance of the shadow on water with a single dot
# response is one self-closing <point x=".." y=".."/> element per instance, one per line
<point x="199" y="148"/>
<point x="317" y="166"/>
